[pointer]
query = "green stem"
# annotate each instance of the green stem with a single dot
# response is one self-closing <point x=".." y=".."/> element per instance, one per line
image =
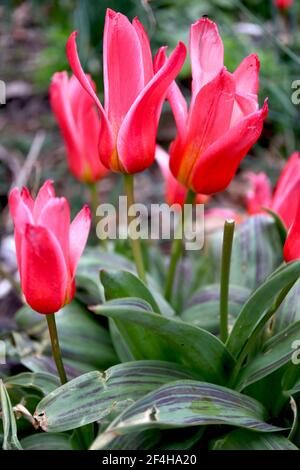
<point x="55" y="347"/>
<point x="225" y="275"/>
<point x="176" y="249"/>
<point x="95" y="203"/>
<point x="135" y="243"/>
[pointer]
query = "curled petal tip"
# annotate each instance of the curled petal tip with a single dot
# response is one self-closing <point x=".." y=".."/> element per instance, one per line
<point x="256" y="60"/>
<point x="204" y="20"/>
<point x="265" y="108"/>
<point x="87" y="211"/>
<point x="111" y="13"/>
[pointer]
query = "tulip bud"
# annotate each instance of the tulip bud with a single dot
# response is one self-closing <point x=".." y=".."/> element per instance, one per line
<point x="48" y="247"/>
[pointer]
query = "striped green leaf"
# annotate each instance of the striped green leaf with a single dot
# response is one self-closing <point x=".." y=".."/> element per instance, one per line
<point x="10" y="438"/>
<point x="48" y="441"/>
<point x="152" y="336"/>
<point x="122" y="284"/>
<point x="275" y="353"/>
<point x="188" y="403"/>
<point x="95" y="395"/>
<point x="41" y="381"/>
<point x="204" y="306"/>
<point x="250" y="440"/>
<point x="289" y="311"/>
<point x="143" y="440"/>
<point x="255" y="311"/>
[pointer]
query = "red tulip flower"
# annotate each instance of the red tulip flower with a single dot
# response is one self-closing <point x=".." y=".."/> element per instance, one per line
<point x="175" y="192"/>
<point x="283" y="4"/>
<point x="285" y="198"/>
<point x="224" y="119"/>
<point x="133" y="96"/>
<point x="291" y="249"/>
<point x="48" y="247"/>
<point x="79" y="122"/>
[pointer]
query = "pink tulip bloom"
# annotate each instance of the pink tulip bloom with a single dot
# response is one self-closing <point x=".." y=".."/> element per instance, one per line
<point x="48" y="247"/>
<point x="283" y="4"/>
<point x="133" y="96"/>
<point x="79" y="123"/>
<point x="175" y="192"/>
<point x="291" y="249"/>
<point x="285" y="198"/>
<point x="223" y="121"/>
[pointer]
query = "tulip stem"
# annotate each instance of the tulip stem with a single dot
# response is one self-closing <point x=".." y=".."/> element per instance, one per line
<point x="135" y="243"/>
<point x="177" y="248"/>
<point x="225" y="275"/>
<point x="95" y="204"/>
<point x="56" y="348"/>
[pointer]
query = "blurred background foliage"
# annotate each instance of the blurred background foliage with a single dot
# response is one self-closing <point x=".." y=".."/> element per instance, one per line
<point x="33" y="36"/>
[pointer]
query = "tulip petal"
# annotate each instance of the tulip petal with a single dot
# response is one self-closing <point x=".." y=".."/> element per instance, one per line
<point x="55" y="216"/>
<point x="44" y="195"/>
<point x="146" y="50"/>
<point x="247" y="76"/>
<point x="174" y="95"/>
<point x="137" y="136"/>
<point x="21" y="216"/>
<point x="19" y="210"/>
<point x="175" y="192"/>
<point x="44" y="272"/>
<point x="260" y="194"/>
<point x="291" y="250"/>
<point x="89" y="132"/>
<point x="216" y="167"/>
<point x="106" y="136"/>
<point x="79" y="232"/>
<point x="123" y="66"/>
<point x="206" y="51"/>
<point x="285" y="200"/>
<point x="209" y="119"/>
<point x="63" y="105"/>
<point x="27" y="198"/>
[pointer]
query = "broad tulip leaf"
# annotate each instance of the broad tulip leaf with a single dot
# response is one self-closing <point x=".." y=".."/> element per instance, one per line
<point x="256" y="308"/>
<point x="143" y="440"/>
<point x="204" y="309"/>
<point x="95" y="395"/>
<point x="149" y="439"/>
<point x="242" y="439"/>
<point x="122" y="284"/>
<point x="152" y="336"/>
<point x="87" y="275"/>
<point x="10" y="438"/>
<point x="48" y="441"/>
<point x="188" y="403"/>
<point x="41" y="381"/>
<point x="275" y="353"/>
<point x="289" y="311"/>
